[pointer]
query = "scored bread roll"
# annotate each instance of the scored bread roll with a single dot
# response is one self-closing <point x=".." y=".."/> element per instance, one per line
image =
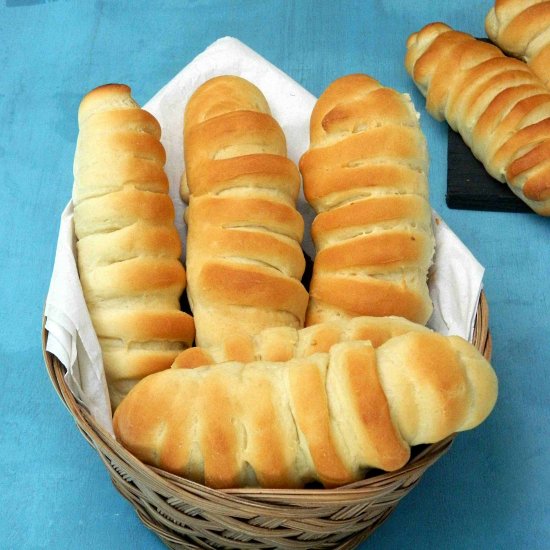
<point x="522" y="28"/>
<point x="127" y="245"/>
<point x="327" y="417"/>
<point x="365" y="174"/>
<point x="496" y="103"/>
<point x="244" y="259"/>
<point x="285" y="343"/>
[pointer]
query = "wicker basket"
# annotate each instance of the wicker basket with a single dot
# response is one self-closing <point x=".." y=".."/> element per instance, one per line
<point x="185" y="514"/>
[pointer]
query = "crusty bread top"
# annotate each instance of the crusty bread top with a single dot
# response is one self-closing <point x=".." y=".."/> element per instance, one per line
<point x="365" y="174"/>
<point x="497" y="104"/>
<point x="286" y="343"/>
<point x="221" y="95"/>
<point x="227" y="120"/>
<point x="522" y="29"/>
<point x="514" y="24"/>
<point x="109" y="97"/>
<point x="127" y="245"/>
<point x="326" y="417"/>
<point x="244" y="256"/>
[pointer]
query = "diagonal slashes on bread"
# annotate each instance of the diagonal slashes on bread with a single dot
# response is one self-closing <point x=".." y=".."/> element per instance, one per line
<point x="128" y="248"/>
<point x="522" y="28"/>
<point x="285" y="343"/>
<point x="244" y="259"/>
<point x="365" y="174"/>
<point x="328" y="417"/>
<point x="496" y="103"/>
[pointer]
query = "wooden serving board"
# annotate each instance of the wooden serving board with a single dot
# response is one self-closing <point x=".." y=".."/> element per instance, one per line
<point x="470" y="187"/>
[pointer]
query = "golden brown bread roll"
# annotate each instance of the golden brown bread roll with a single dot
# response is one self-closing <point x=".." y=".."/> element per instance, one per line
<point x="285" y="343"/>
<point x="127" y="245"/>
<point x="365" y="175"/>
<point x="496" y="103"/>
<point x="522" y="29"/>
<point x="327" y="417"/>
<point x="244" y="260"/>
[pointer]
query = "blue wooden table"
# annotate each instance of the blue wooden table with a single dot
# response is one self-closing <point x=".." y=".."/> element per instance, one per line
<point x="490" y="491"/>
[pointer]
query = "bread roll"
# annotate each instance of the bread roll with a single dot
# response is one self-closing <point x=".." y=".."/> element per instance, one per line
<point x="496" y="103"/>
<point x="127" y="245"/>
<point x="244" y="260"/>
<point x="365" y="175"/>
<point x="522" y="29"/>
<point x="326" y="418"/>
<point x="285" y="343"/>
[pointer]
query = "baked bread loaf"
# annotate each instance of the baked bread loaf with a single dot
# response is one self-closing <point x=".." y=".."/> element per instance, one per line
<point x="496" y="103"/>
<point x="522" y="28"/>
<point x="365" y="175"/>
<point x="244" y="259"/>
<point x="285" y="343"/>
<point x="127" y="245"/>
<point x="327" y="417"/>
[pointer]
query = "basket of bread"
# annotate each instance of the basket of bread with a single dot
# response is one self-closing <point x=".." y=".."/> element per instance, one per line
<point x="258" y="399"/>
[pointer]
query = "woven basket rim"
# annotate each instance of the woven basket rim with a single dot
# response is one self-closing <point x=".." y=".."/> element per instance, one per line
<point x="169" y="483"/>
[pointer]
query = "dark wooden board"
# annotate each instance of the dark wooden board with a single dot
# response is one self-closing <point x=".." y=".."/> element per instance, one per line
<point x="470" y="187"/>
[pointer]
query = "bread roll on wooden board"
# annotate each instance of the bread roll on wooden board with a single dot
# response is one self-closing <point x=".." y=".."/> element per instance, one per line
<point x="127" y="245"/>
<point x="244" y="260"/>
<point x="326" y="417"/>
<point x="522" y="28"/>
<point x="286" y="343"/>
<point x="365" y="175"/>
<point x="496" y="103"/>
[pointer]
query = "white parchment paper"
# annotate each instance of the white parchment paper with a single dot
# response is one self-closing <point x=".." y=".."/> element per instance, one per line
<point x="456" y="276"/>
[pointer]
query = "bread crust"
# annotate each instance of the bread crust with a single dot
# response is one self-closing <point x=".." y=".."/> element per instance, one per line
<point x="497" y="104"/>
<point x="365" y="174"/>
<point x="244" y="259"/>
<point x="328" y="417"/>
<point x="128" y="248"/>
<point x="286" y="343"/>
<point x="522" y="28"/>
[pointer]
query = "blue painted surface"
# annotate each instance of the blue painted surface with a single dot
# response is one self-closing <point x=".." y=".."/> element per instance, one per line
<point x="490" y="491"/>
